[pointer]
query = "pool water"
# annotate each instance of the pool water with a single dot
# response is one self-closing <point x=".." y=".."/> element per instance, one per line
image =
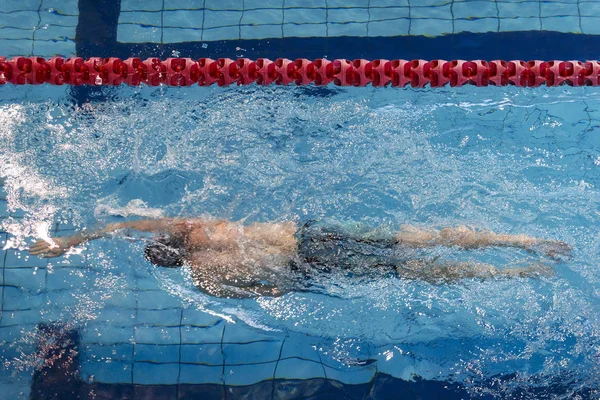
<point x="520" y="161"/>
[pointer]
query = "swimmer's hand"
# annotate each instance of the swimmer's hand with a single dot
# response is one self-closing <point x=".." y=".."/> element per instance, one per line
<point x="55" y="247"/>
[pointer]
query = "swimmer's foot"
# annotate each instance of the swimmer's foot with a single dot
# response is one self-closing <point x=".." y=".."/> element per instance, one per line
<point x="554" y="249"/>
<point x="536" y="270"/>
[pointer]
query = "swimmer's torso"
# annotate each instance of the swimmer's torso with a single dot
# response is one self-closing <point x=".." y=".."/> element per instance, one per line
<point x="226" y="255"/>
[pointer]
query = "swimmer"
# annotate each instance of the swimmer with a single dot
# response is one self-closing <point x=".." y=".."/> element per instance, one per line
<point x="230" y="259"/>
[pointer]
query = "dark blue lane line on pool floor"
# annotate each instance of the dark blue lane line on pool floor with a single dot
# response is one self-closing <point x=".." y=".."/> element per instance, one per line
<point x="467" y="46"/>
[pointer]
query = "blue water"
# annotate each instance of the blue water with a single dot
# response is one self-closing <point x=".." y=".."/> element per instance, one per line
<point x="502" y="159"/>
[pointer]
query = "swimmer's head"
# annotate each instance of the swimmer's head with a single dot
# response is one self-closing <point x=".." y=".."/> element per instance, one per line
<point x="165" y="251"/>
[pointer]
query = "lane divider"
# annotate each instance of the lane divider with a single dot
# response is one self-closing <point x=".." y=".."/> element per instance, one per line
<point x="113" y="71"/>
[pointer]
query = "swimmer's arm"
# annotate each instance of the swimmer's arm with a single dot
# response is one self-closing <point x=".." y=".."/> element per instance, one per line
<point x="58" y="246"/>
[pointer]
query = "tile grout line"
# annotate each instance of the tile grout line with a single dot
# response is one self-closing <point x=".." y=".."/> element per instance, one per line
<point x="275" y="369"/>
<point x="223" y="367"/>
<point x="36" y="28"/>
<point x="240" y="22"/>
<point x="369" y="20"/>
<point x="179" y="363"/>
<point x="203" y="18"/>
<point x="579" y="15"/>
<point x="497" y="16"/>
<point x="452" y="14"/>
<point x="326" y="19"/>
<point x="162" y="23"/>
<point x="540" y="13"/>
<point x="409" y="17"/>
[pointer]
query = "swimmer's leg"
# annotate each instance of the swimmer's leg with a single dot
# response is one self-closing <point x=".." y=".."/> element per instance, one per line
<point x="446" y="272"/>
<point x="469" y="238"/>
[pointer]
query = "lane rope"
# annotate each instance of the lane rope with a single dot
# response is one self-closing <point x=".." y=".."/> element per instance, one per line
<point x="96" y="71"/>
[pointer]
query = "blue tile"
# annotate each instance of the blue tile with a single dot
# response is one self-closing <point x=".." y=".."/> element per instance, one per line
<point x="3" y="202"/>
<point x="159" y="317"/>
<point x="519" y="24"/>
<point x="300" y="349"/>
<point x="116" y="316"/>
<point x="22" y="259"/>
<point x="53" y="18"/>
<point x="228" y="33"/>
<point x="27" y="279"/>
<point x="200" y="374"/>
<point x="70" y="7"/>
<point x="348" y="15"/>
<point x="184" y="4"/>
<point x="191" y="335"/>
<point x="103" y="372"/>
<point x="156" y="353"/>
<point x="430" y="3"/>
<point x="476" y="25"/>
<point x="350" y="29"/>
<point x="305" y="16"/>
<point x="11" y="48"/>
<point x="199" y="318"/>
<point x="141" y="5"/>
<point x="215" y="19"/>
<point x="69" y="278"/>
<point x="16" y="391"/>
<point x="13" y="334"/>
<point x="430" y="27"/>
<point x="261" y="32"/>
<point x="21" y="19"/>
<point x="250" y="353"/>
<point x="138" y="34"/>
<point x="478" y="9"/>
<point x="304" y="4"/>
<point x="99" y="332"/>
<point x="345" y="3"/>
<point x="176" y="35"/>
<point x="140" y="18"/>
<point x="254" y="4"/>
<point x="157" y="300"/>
<point x="388" y="3"/>
<point x="185" y="19"/>
<point x="225" y="5"/>
<point x="123" y="299"/>
<point x="24" y="317"/>
<point x="385" y="14"/>
<point x="16" y="299"/>
<point x="156" y="335"/>
<point x="209" y="354"/>
<point x="521" y="10"/>
<point x="559" y="9"/>
<point x="261" y="17"/>
<point x="14" y="33"/>
<point x="108" y="353"/>
<point x="299" y="369"/>
<point x="352" y="376"/>
<point x="590" y="9"/>
<point x="155" y="374"/>
<point x="561" y="24"/>
<point x="238" y="333"/>
<point x="21" y="5"/>
<point x="441" y="12"/>
<point x="248" y="374"/>
<point x="306" y="30"/>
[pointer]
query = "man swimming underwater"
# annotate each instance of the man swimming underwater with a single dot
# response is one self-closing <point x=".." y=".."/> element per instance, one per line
<point x="229" y="259"/>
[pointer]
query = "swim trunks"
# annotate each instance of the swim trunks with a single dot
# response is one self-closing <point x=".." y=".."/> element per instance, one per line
<point x="355" y="247"/>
